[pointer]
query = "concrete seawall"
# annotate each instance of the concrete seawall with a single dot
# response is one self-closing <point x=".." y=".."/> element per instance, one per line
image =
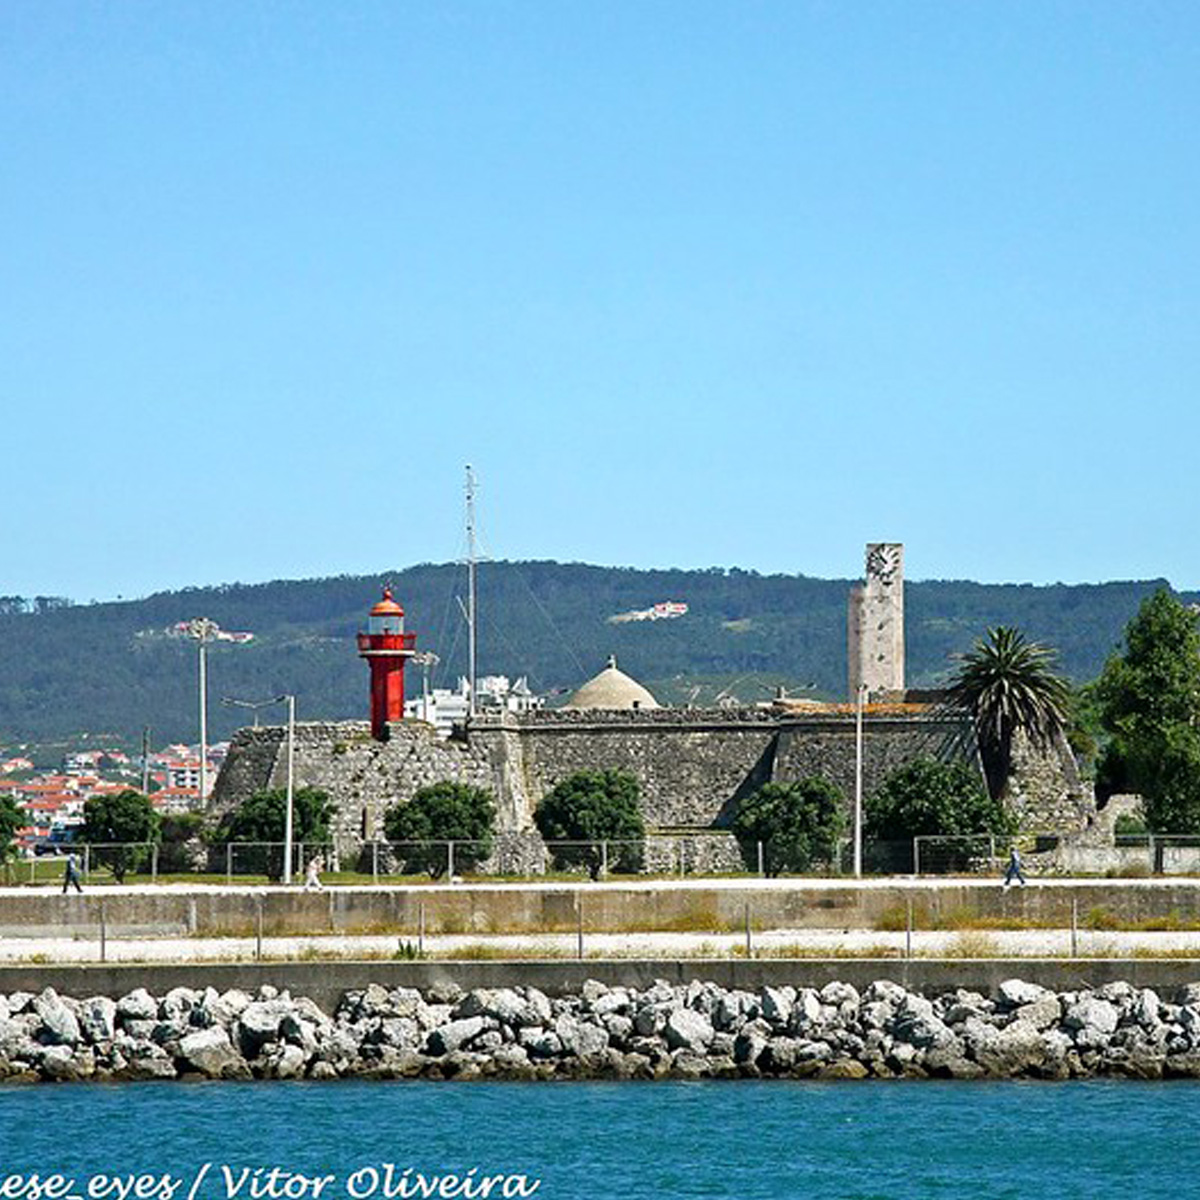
<point x="612" y="907"/>
<point x="327" y="982"/>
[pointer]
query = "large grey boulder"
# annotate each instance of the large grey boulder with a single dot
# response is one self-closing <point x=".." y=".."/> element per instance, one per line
<point x="259" y="1023"/>
<point x="59" y="1025"/>
<point x="581" y="1038"/>
<point x="62" y="1063"/>
<point x="1017" y="1049"/>
<point x="1147" y="1009"/>
<point x="1043" y="1013"/>
<point x="210" y="1052"/>
<point x="454" y="1035"/>
<point x="1092" y="1021"/>
<point x="540" y="1043"/>
<point x="285" y="1062"/>
<point x="650" y="1019"/>
<point x="179" y="1002"/>
<point x="917" y="1024"/>
<point x="1015" y="993"/>
<point x="138" y="1005"/>
<point x="98" y="1019"/>
<point x="612" y="1003"/>
<point x="775" y="1005"/>
<point x="839" y="995"/>
<point x="687" y="1029"/>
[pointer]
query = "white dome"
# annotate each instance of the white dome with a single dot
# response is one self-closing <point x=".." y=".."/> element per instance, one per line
<point x="612" y="689"/>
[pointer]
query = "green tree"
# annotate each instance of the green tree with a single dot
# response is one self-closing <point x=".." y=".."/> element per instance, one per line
<point x="438" y="814"/>
<point x="1149" y="700"/>
<point x="262" y="819"/>
<point x="1009" y="686"/>
<point x="927" y="797"/>
<point x="119" y="827"/>
<point x="600" y="811"/>
<point x="797" y="824"/>
<point x="12" y="818"/>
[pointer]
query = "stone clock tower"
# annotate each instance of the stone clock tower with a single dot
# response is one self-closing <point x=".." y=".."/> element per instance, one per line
<point x="875" y="624"/>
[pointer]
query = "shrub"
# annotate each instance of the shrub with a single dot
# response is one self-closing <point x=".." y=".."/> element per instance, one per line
<point x="1130" y="825"/>
<point x="593" y="808"/>
<point x="181" y="842"/>
<point x="798" y="824"/>
<point x="263" y="819"/>
<point x="441" y="813"/>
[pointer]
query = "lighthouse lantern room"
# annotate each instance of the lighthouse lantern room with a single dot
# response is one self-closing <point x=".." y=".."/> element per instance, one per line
<point x="385" y="646"/>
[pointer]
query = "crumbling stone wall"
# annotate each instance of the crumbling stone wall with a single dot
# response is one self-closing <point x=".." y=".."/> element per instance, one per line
<point x="1045" y="792"/>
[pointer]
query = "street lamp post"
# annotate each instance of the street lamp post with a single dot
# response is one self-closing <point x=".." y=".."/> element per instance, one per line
<point x="289" y="818"/>
<point x="861" y="699"/>
<point x="202" y="629"/>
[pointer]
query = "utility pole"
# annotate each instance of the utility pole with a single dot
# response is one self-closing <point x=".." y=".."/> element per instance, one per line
<point x="145" y="760"/>
<point x="471" y="597"/>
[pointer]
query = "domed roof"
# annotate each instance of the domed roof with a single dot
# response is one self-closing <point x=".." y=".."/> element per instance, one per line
<point x="387" y="607"/>
<point x="612" y="689"/>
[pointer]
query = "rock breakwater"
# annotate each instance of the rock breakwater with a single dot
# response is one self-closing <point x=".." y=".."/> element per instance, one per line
<point x="695" y="1031"/>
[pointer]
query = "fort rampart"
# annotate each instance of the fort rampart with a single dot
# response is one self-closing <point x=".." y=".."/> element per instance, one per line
<point x="693" y="766"/>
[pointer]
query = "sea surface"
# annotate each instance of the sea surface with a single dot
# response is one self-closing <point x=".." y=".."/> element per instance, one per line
<point x="604" y="1140"/>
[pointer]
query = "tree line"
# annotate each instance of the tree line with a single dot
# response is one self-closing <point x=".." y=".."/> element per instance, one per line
<point x="111" y="668"/>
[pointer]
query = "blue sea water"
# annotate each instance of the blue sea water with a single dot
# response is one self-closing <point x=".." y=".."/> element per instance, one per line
<point x="626" y="1141"/>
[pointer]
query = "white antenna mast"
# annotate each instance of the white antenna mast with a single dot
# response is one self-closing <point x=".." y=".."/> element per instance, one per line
<point x="471" y="561"/>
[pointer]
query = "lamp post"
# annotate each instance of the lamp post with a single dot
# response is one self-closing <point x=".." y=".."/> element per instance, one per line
<point x="861" y="700"/>
<point x="288" y="820"/>
<point x="425" y="659"/>
<point x="202" y="629"/>
<point x="289" y="813"/>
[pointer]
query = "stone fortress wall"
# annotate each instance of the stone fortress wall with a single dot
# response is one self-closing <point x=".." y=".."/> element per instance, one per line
<point x="693" y="766"/>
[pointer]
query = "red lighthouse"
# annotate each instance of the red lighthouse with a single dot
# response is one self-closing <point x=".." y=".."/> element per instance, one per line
<point x="385" y="646"/>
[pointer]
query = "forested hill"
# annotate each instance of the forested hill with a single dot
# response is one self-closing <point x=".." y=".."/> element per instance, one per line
<point x="110" y="668"/>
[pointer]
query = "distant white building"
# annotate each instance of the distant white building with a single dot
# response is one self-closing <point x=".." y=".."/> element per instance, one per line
<point x="443" y="708"/>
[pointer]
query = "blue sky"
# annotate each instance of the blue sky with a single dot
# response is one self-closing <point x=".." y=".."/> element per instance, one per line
<point x="690" y="284"/>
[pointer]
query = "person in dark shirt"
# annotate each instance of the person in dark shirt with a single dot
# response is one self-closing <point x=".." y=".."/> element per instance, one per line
<point x="1014" y="868"/>
<point x="71" y="875"/>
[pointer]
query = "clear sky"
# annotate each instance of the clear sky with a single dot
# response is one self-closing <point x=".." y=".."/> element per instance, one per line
<point x="690" y="284"/>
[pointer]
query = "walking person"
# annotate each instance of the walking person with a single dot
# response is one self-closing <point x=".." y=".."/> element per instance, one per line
<point x="71" y="874"/>
<point x="312" y="876"/>
<point x="1014" y="869"/>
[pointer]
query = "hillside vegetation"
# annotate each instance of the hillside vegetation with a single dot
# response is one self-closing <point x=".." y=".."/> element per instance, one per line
<point x="111" y="668"/>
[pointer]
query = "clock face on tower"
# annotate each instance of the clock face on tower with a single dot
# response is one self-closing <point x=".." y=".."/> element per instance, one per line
<point x="883" y="563"/>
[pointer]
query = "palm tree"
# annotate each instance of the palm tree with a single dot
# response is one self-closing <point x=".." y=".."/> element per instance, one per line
<point x="1009" y="686"/>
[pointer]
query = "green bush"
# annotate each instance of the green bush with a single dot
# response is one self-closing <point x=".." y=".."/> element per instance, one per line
<point x="593" y="807"/>
<point x="797" y="824"/>
<point x="440" y="813"/>
<point x="181" y="842"/>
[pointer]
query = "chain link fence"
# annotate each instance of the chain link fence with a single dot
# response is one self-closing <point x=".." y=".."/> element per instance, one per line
<point x="707" y="853"/>
<point x="711" y="854"/>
